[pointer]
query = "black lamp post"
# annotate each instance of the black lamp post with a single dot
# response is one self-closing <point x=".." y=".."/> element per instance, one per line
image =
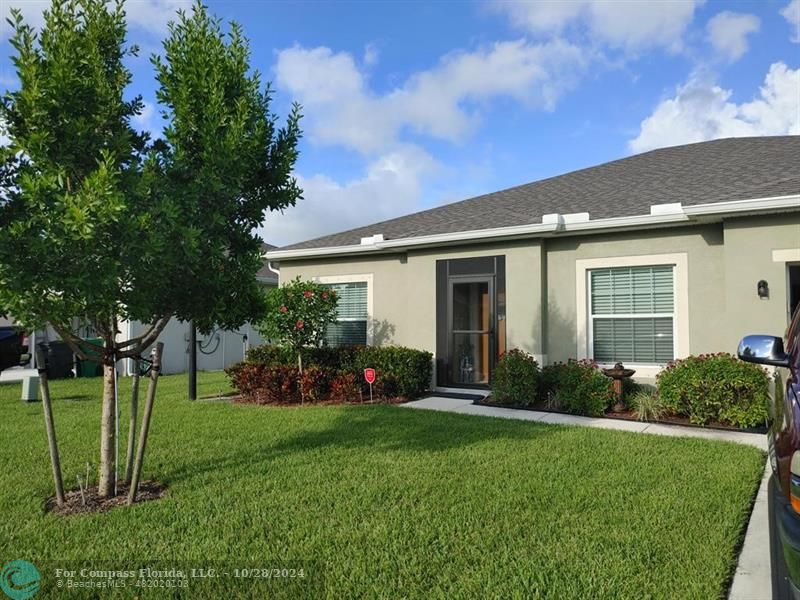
<point x="192" y="361"/>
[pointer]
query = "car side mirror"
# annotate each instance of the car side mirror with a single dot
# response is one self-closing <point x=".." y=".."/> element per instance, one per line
<point x="763" y="350"/>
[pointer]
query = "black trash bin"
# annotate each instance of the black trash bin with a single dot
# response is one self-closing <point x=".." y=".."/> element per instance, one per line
<point x="60" y="360"/>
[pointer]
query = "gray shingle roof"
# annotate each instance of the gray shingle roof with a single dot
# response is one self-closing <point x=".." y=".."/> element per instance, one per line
<point x="715" y="171"/>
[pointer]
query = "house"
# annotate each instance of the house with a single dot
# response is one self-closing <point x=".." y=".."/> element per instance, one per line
<point x="645" y="259"/>
<point x="216" y="351"/>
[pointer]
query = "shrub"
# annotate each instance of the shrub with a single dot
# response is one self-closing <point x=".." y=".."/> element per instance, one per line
<point x="267" y="354"/>
<point x="336" y="358"/>
<point x="578" y="387"/>
<point x="715" y="388"/>
<point x="315" y="383"/>
<point x="265" y="384"/>
<point x="298" y="314"/>
<point x="345" y="387"/>
<point x="516" y="379"/>
<point x="646" y="405"/>
<point x="399" y="371"/>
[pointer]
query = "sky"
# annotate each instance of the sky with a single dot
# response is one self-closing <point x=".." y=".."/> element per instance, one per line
<point x="409" y="105"/>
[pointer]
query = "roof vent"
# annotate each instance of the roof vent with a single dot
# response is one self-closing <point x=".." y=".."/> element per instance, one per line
<point x="372" y="240"/>
<point x="673" y="208"/>
<point x="552" y="219"/>
<point x="581" y="217"/>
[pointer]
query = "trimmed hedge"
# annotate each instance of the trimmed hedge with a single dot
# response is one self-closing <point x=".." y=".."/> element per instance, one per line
<point x="265" y="384"/>
<point x="337" y="358"/>
<point x="717" y="388"/>
<point x="333" y="374"/>
<point x="516" y="379"/>
<point x="400" y="371"/>
<point x="577" y="387"/>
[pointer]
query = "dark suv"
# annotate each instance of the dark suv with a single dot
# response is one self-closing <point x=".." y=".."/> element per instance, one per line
<point x="13" y="347"/>
<point x="784" y="452"/>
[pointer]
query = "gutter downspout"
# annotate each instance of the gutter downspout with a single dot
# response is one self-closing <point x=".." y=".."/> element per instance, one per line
<point x="275" y="270"/>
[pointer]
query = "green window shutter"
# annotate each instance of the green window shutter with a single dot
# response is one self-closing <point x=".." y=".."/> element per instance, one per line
<point x="351" y="312"/>
<point x="645" y="296"/>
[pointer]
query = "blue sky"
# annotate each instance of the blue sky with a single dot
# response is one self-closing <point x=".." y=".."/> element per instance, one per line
<point x="412" y="104"/>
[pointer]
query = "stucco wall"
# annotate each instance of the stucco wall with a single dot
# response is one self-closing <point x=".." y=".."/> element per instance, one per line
<point x="404" y="291"/>
<point x="724" y="263"/>
<point x="749" y="244"/>
<point x="703" y="246"/>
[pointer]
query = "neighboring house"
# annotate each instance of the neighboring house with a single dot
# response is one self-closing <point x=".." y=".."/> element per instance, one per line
<point x="217" y="350"/>
<point x="642" y="260"/>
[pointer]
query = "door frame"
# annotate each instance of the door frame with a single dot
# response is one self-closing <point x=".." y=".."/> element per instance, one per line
<point x="453" y="280"/>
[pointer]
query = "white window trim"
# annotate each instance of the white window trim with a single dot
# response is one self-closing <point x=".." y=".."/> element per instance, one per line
<point x="358" y="278"/>
<point x="786" y="255"/>
<point x="679" y="261"/>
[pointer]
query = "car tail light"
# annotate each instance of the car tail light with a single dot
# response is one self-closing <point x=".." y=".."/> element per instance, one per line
<point x="794" y="482"/>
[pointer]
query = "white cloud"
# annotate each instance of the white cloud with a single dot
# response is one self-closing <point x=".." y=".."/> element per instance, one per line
<point x="630" y="25"/>
<point x="371" y="55"/>
<point x="728" y="31"/>
<point x="153" y="16"/>
<point x="4" y="139"/>
<point x="150" y="16"/>
<point x="443" y="102"/>
<point x="392" y="186"/>
<point x="703" y="111"/>
<point x="791" y="13"/>
<point x="148" y="120"/>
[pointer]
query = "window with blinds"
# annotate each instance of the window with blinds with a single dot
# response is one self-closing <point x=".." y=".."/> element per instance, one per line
<point x="633" y="314"/>
<point x="350" y="328"/>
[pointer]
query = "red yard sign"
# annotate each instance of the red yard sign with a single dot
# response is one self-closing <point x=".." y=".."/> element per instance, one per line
<point x="369" y="376"/>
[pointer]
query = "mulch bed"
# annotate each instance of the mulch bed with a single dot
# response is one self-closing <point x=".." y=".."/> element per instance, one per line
<point x="74" y="501"/>
<point x="243" y="400"/>
<point x="628" y="415"/>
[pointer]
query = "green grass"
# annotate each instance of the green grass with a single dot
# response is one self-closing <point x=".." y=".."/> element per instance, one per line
<point x="384" y="501"/>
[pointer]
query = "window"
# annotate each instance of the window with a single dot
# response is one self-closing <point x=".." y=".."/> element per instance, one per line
<point x="632" y="314"/>
<point x="352" y="314"/>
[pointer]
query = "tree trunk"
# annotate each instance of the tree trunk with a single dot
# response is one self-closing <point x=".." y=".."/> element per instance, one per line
<point x="300" y="377"/>
<point x="107" y="431"/>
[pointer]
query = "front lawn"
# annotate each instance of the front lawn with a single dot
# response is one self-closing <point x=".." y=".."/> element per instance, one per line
<point x="386" y="501"/>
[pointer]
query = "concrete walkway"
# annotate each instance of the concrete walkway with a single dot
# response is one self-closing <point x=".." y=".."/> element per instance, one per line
<point x="752" y="580"/>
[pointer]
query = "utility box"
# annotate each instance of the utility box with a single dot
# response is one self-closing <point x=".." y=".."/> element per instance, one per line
<point x="30" y="388"/>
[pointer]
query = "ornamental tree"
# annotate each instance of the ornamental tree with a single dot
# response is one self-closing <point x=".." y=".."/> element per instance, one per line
<point x="298" y="314"/>
<point x="100" y="223"/>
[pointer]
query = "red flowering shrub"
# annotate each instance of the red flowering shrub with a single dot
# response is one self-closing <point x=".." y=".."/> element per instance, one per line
<point x="298" y="314"/>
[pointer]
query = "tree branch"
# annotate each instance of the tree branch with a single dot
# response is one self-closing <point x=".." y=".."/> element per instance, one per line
<point x="137" y="339"/>
<point x="74" y="342"/>
<point x="148" y="340"/>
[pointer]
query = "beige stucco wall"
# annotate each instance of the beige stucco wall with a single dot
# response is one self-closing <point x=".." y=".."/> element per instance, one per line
<point x="749" y="244"/>
<point x="724" y="263"/>
<point x="703" y="246"/>
<point x="404" y="291"/>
